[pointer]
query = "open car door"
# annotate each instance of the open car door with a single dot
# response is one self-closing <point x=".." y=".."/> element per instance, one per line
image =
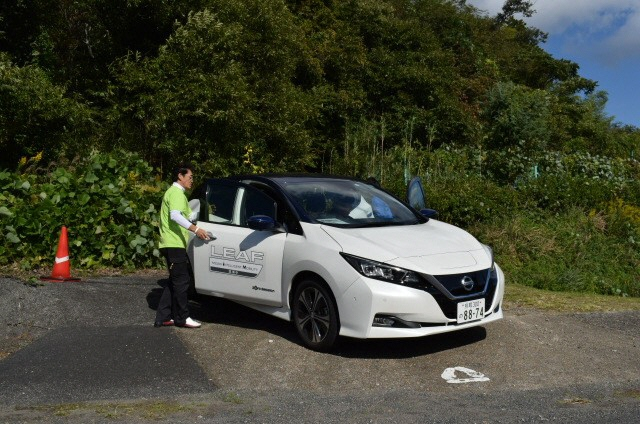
<point x="241" y="263"/>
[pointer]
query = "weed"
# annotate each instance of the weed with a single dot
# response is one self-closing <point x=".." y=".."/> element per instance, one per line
<point x="232" y="397"/>
<point x="576" y="401"/>
<point x="630" y="393"/>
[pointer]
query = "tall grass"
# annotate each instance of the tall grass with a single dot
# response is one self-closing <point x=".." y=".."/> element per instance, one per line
<point x="569" y="251"/>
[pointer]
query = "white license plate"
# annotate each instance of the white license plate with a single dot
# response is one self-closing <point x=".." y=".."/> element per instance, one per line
<point x="471" y="310"/>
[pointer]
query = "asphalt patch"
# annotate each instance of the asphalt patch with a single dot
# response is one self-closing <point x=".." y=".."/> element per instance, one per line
<point x="76" y="364"/>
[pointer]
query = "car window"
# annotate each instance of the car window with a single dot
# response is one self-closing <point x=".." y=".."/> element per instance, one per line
<point x="220" y="202"/>
<point x="256" y="202"/>
<point x="284" y="214"/>
<point x="233" y="203"/>
<point x="348" y="203"/>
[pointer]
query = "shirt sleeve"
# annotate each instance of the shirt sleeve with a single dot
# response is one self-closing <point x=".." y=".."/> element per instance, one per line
<point x="180" y="219"/>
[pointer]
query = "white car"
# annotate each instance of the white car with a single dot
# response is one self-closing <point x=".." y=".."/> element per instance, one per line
<point x="340" y="256"/>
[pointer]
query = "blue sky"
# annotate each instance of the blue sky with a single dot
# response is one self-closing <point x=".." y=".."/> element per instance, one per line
<point x="602" y="36"/>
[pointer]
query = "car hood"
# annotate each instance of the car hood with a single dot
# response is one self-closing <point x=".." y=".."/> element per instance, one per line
<point x="433" y="247"/>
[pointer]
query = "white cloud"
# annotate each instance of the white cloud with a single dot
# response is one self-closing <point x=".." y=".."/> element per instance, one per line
<point x="607" y="29"/>
<point x="624" y="43"/>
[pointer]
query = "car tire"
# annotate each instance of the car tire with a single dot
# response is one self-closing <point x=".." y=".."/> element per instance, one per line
<point x="315" y="315"/>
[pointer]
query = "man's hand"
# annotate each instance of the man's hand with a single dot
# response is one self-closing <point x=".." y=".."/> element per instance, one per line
<point x="202" y="234"/>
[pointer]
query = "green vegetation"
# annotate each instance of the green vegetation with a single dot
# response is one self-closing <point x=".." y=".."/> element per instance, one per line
<point x="522" y="296"/>
<point x="232" y="397"/>
<point x="152" y="410"/>
<point x="99" y="98"/>
<point x="108" y="201"/>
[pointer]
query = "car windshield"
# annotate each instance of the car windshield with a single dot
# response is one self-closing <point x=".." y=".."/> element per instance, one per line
<point x="347" y="203"/>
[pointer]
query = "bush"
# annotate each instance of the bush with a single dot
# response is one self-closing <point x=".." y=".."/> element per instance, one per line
<point x="517" y="121"/>
<point x="107" y="201"/>
<point x="569" y="251"/>
<point x="557" y="193"/>
<point x="581" y="180"/>
<point x="466" y="200"/>
<point x="623" y="221"/>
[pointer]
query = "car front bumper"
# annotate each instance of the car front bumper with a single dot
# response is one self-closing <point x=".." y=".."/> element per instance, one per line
<point x="417" y="312"/>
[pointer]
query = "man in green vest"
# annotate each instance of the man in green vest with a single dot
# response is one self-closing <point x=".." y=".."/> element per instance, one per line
<point x="173" y="308"/>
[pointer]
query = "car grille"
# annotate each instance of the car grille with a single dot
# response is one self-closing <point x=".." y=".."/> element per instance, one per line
<point x="453" y="284"/>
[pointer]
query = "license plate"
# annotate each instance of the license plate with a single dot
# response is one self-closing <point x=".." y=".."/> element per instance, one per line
<point x="471" y="310"/>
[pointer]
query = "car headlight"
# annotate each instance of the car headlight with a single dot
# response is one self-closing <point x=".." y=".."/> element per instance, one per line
<point x="489" y="250"/>
<point x="383" y="272"/>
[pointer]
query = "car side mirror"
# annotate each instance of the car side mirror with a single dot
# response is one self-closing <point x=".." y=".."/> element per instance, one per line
<point x="263" y="223"/>
<point x="429" y="213"/>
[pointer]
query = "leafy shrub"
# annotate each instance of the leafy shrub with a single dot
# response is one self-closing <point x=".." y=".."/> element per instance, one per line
<point x="585" y="165"/>
<point x="465" y="200"/>
<point x="517" y="120"/>
<point x="582" y="180"/>
<point x="107" y="201"/>
<point x="623" y="221"/>
<point x="557" y="193"/>
<point x="568" y="251"/>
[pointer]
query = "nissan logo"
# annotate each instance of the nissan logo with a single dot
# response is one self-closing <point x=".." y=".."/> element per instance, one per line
<point x="467" y="283"/>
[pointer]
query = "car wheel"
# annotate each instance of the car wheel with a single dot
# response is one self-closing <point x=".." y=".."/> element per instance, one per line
<point x="315" y="315"/>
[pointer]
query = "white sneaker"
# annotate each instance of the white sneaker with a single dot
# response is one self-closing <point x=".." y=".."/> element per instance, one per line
<point x="190" y="323"/>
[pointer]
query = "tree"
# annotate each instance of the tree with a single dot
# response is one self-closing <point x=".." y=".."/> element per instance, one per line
<point x="38" y="117"/>
<point x="518" y="130"/>
<point x="220" y="89"/>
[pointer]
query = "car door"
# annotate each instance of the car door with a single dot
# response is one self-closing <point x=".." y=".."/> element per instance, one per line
<point x="241" y="263"/>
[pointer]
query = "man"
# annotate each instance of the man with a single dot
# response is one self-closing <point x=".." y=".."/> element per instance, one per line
<point x="173" y="308"/>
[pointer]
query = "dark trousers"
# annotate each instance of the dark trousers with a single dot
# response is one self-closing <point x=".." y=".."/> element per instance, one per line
<point x="174" y="302"/>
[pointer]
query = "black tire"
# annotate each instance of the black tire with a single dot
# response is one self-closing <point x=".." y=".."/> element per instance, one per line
<point x="315" y="315"/>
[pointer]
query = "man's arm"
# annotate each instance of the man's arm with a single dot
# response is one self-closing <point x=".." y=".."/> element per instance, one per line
<point x="179" y="219"/>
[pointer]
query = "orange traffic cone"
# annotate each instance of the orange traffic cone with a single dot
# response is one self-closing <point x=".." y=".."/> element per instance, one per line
<point x="62" y="266"/>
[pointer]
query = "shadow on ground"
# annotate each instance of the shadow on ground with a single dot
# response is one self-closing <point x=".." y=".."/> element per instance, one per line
<point x="222" y="311"/>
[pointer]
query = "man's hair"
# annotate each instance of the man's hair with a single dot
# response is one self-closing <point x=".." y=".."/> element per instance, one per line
<point x="181" y="169"/>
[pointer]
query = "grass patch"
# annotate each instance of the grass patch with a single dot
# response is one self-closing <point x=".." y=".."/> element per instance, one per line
<point x="65" y="410"/>
<point x="232" y="397"/>
<point x="154" y="410"/>
<point x="631" y="393"/>
<point x="517" y="295"/>
<point x="147" y="410"/>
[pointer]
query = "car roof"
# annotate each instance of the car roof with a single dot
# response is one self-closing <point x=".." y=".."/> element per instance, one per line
<point x="293" y="177"/>
<point x="282" y="180"/>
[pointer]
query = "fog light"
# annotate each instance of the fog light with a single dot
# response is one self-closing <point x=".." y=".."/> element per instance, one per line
<point x="383" y="322"/>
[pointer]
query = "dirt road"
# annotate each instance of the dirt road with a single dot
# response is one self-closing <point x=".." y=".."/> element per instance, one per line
<point x="244" y="366"/>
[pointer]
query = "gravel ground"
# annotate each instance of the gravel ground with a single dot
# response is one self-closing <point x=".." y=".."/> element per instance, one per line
<point x="541" y="366"/>
<point x="30" y="310"/>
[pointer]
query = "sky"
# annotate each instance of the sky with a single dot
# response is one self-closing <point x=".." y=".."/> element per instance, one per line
<point x="601" y="36"/>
